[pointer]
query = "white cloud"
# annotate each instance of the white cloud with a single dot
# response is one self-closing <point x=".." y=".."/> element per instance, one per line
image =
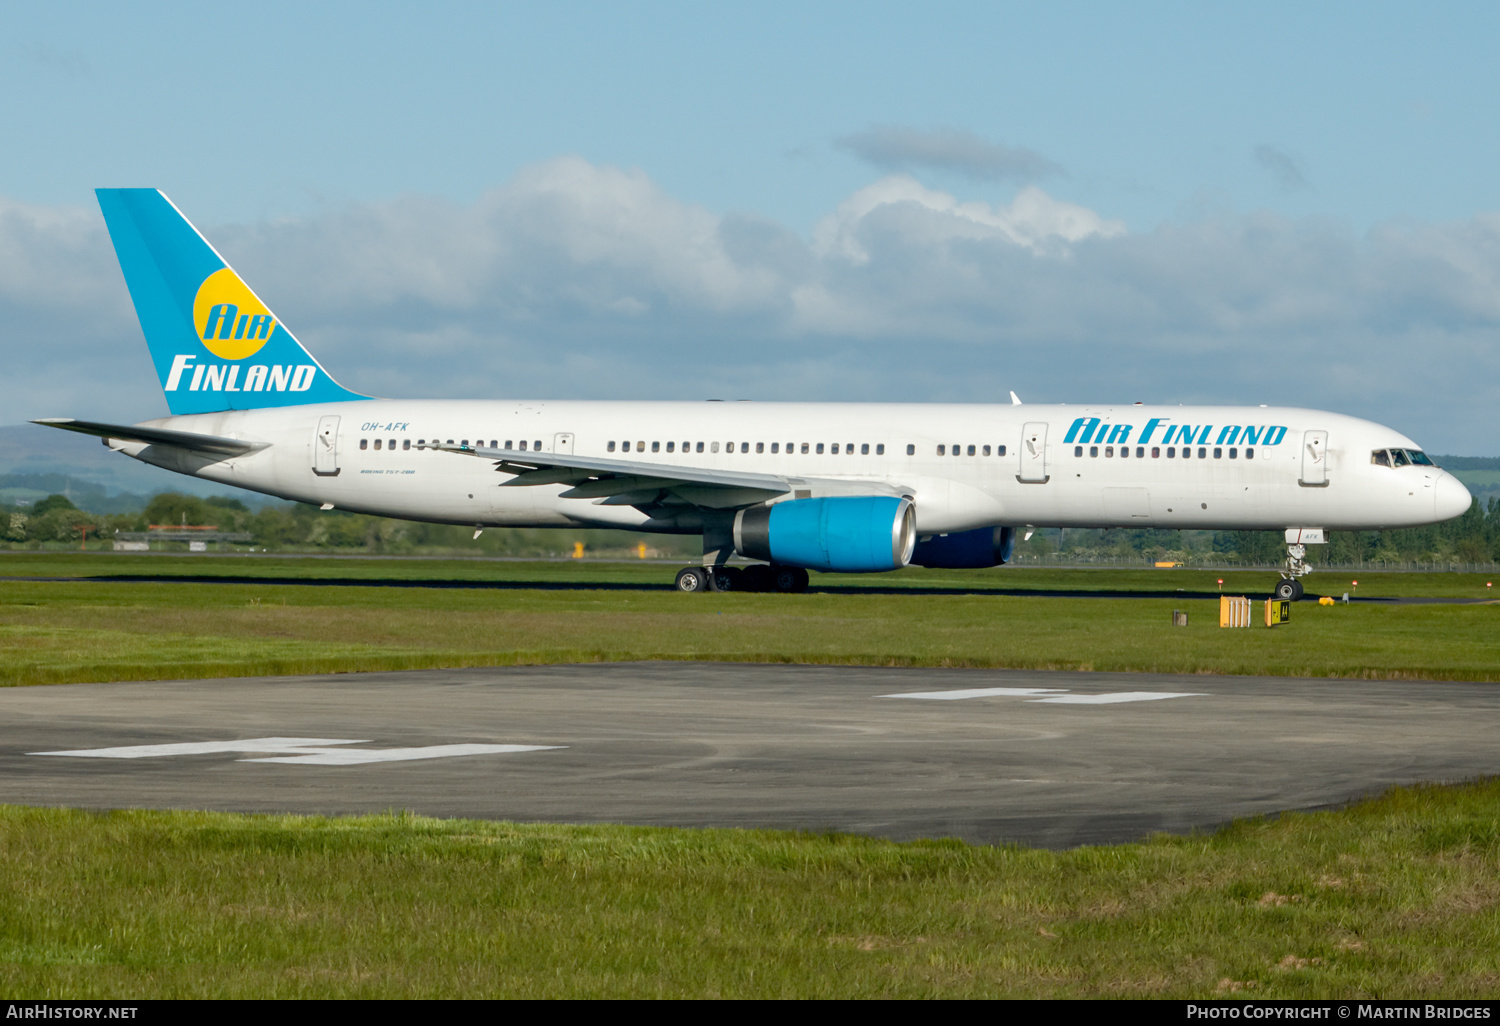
<point x="574" y="279"/>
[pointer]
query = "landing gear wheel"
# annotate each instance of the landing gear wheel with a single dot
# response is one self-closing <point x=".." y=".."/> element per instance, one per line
<point x="788" y="578"/>
<point x="692" y="579"/>
<point x="757" y="578"/>
<point x="726" y="578"/>
<point x="1289" y="590"/>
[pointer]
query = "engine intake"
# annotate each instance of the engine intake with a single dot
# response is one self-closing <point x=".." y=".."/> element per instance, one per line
<point x="850" y="534"/>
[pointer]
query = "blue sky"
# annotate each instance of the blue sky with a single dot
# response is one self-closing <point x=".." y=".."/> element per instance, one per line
<point x="1269" y="203"/>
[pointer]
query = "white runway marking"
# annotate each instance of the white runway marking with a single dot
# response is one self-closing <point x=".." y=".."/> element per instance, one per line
<point x="358" y="756"/>
<point x="305" y="751"/>
<point x="950" y="696"/>
<point x="1119" y="696"/>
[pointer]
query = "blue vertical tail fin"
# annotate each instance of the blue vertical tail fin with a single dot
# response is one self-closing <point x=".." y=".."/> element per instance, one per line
<point x="216" y="346"/>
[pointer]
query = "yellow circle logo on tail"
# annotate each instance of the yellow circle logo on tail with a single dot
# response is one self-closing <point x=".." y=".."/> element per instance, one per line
<point x="232" y="324"/>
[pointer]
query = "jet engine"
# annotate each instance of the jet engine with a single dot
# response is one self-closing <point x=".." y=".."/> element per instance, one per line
<point x="966" y="550"/>
<point x="848" y="534"/>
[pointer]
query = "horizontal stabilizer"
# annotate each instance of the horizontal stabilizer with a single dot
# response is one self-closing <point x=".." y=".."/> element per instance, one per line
<point x="190" y="440"/>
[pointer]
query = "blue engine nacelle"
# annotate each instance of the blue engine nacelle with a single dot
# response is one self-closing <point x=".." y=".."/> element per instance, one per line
<point x="966" y="550"/>
<point x="851" y="534"/>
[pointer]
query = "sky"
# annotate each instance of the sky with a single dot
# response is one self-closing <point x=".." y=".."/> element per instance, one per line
<point x="1276" y="203"/>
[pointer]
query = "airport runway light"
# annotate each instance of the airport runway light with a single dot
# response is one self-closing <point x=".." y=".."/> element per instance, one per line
<point x="1355" y="584"/>
<point x="1221" y="584"/>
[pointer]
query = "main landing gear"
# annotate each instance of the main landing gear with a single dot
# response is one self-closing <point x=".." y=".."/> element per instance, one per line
<point x="759" y="577"/>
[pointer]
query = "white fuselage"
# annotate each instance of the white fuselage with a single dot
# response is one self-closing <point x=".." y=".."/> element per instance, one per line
<point x="1317" y="469"/>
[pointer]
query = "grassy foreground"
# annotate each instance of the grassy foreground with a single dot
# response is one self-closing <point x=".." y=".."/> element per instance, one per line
<point x="1394" y="897"/>
<point x="416" y="614"/>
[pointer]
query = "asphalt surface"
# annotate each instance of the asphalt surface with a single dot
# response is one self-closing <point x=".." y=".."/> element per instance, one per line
<point x="1061" y="759"/>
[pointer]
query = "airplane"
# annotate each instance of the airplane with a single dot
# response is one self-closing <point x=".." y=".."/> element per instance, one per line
<point x="841" y="487"/>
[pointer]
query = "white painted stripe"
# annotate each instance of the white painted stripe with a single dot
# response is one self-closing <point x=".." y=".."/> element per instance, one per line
<point x="1119" y="696"/>
<point x="950" y="696"/>
<point x="304" y="751"/>
<point x="254" y="744"/>
<point x="360" y="756"/>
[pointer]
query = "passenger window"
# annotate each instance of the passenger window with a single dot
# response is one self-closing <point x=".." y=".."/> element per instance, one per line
<point x="942" y="450"/>
<point x="911" y="450"/>
<point x="760" y="447"/>
<point x="713" y="447"/>
<point x="507" y="443"/>
<point x="1093" y="450"/>
<point x="1202" y="453"/>
<point x="1218" y="453"/>
<point x="1156" y="452"/>
<point x="377" y="444"/>
<point x="406" y="444"/>
<point x="880" y="449"/>
<point x="391" y="445"/>
<point x="971" y="450"/>
<point x="364" y="443"/>
<point x="700" y="447"/>
<point x="804" y="448"/>
<point x="1109" y="451"/>
<point x="999" y="450"/>
<point x="523" y="444"/>
<point x="450" y="441"/>
<point x="610" y="447"/>
<point x="864" y="449"/>
<point x="1140" y="452"/>
<point x="656" y="447"/>
<point x="671" y="446"/>
<point x="493" y="444"/>
<point x="1171" y="452"/>
<point x="1249" y="454"/>
<point x="835" y="448"/>
<point x="744" y="447"/>
<point x="1124" y="452"/>
<point x="775" y="447"/>
<point x="820" y="448"/>
<point x="1234" y="453"/>
<point x="957" y="449"/>
<point x="1077" y="450"/>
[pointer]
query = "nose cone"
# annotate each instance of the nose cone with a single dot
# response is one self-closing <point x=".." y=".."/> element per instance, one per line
<point x="1450" y="497"/>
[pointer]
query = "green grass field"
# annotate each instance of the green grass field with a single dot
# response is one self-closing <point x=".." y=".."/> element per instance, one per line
<point x="1396" y="896"/>
<point x="412" y="614"/>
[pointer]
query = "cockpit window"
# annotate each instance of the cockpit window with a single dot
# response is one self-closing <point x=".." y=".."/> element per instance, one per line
<point x="1420" y="458"/>
<point x="1380" y="458"/>
<point x="1399" y="458"/>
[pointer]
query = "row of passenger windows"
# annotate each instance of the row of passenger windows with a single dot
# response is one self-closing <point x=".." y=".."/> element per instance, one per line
<point x="364" y="443"/>
<point x="833" y="448"/>
<point x="1156" y="452"/>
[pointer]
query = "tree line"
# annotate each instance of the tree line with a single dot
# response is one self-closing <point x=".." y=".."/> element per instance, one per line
<point x="55" y="522"/>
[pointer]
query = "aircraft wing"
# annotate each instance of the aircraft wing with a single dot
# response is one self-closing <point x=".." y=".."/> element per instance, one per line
<point x="192" y="441"/>
<point x="611" y="482"/>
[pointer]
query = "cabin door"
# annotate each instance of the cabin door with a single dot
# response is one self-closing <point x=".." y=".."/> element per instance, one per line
<point x="1033" y="453"/>
<point x="1315" y="459"/>
<point x="326" y="448"/>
